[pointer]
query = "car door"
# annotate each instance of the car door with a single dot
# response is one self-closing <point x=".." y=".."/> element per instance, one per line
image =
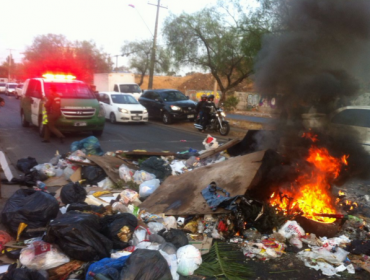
<point x="103" y="102"/>
<point x="27" y="100"/>
<point x="147" y="101"/>
<point x="157" y="105"/>
<point x="36" y="96"/>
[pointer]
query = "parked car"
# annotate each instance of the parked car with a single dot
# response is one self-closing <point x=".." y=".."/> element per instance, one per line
<point x="168" y="104"/>
<point x="10" y="88"/>
<point x="18" y="90"/>
<point x="122" y="107"/>
<point x="2" y="87"/>
<point x="350" y="121"/>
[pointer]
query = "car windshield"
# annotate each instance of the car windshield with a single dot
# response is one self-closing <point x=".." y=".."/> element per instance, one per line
<point x="124" y="99"/>
<point x="173" y="96"/>
<point x="12" y="86"/>
<point x="70" y="90"/>
<point x="130" y="88"/>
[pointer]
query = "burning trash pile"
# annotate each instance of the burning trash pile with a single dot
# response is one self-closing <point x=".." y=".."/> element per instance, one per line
<point x="133" y="215"/>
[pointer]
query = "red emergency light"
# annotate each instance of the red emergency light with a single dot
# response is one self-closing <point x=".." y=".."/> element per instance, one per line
<point x="63" y="77"/>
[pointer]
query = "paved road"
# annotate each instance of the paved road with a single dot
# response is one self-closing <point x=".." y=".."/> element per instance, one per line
<point x="19" y="142"/>
<point x="252" y="119"/>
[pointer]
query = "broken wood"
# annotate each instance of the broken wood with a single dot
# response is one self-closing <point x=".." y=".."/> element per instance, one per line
<point x="225" y="146"/>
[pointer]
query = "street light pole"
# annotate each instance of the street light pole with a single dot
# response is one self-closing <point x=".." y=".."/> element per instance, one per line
<point x="152" y="60"/>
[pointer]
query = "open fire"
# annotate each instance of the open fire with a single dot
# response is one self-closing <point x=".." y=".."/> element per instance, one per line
<point x="312" y="195"/>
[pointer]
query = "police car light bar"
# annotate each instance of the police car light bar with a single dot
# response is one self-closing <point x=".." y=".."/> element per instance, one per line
<point x="64" y="77"/>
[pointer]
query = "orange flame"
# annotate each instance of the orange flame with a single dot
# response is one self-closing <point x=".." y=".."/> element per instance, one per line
<point x="313" y="195"/>
<point x="341" y="193"/>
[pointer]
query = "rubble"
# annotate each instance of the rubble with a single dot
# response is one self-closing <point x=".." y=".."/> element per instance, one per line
<point x="185" y="213"/>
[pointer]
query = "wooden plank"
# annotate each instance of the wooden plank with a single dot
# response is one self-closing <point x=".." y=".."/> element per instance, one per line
<point x="181" y="194"/>
<point x="225" y="146"/>
<point x="146" y="153"/>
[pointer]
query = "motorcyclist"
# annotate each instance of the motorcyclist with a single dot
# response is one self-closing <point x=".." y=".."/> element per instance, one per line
<point x="199" y="108"/>
<point x="207" y="109"/>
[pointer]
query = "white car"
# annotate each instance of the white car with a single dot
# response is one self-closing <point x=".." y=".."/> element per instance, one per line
<point x="122" y="107"/>
<point x="353" y="121"/>
<point x="18" y="90"/>
<point x="2" y="87"/>
<point x="10" y="88"/>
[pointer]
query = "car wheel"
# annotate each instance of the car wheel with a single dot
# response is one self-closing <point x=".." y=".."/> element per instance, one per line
<point x="166" y="118"/>
<point x="112" y="118"/>
<point x="97" y="133"/>
<point x="23" y="120"/>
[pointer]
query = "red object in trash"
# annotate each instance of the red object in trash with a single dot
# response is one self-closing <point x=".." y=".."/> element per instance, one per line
<point x="222" y="226"/>
<point x="209" y="140"/>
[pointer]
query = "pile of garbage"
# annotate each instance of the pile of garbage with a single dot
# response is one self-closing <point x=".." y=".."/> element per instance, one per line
<point x="94" y="226"/>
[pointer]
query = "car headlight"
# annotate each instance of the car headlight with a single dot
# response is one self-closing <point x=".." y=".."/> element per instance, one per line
<point x="175" y="108"/>
<point x="145" y="111"/>
<point x="121" y="110"/>
<point x="223" y="114"/>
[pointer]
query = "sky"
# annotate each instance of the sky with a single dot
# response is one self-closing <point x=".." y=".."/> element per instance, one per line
<point x="109" y="23"/>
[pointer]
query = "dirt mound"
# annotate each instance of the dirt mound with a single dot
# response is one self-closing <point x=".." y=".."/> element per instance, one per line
<point x="197" y="81"/>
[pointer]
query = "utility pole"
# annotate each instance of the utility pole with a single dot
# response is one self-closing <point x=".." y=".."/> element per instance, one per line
<point x="9" y="62"/>
<point x="152" y="60"/>
<point x="117" y="55"/>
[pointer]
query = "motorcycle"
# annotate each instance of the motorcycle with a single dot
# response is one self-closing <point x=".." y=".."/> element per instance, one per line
<point x="217" y="122"/>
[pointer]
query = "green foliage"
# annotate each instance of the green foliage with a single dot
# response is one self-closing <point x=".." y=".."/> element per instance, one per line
<point x="126" y="185"/>
<point x="224" y="262"/>
<point x="140" y="57"/>
<point x="54" y="53"/>
<point x="230" y="103"/>
<point x="222" y="39"/>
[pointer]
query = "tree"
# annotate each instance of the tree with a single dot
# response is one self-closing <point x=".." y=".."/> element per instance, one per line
<point x="140" y="55"/>
<point x="54" y="53"/>
<point x="222" y="39"/>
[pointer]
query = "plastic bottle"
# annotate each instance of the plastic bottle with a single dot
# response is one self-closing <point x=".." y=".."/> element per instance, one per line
<point x="55" y="159"/>
<point x="98" y="276"/>
<point x="41" y="185"/>
<point x="200" y="227"/>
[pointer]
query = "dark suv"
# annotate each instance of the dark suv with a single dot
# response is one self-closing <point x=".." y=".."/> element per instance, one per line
<point x="168" y="104"/>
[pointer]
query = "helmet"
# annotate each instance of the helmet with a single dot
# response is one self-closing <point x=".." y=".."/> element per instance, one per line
<point x="211" y="97"/>
<point x="204" y="97"/>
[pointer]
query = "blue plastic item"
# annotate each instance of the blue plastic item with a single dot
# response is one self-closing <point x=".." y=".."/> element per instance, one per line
<point x="89" y="145"/>
<point x="108" y="267"/>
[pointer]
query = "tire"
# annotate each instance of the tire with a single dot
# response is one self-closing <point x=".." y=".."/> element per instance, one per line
<point x="23" y="120"/>
<point x="225" y="129"/>
<point x="97" y="133"/>
<point x="166" y="118"/>
<point x="112" y="118"/>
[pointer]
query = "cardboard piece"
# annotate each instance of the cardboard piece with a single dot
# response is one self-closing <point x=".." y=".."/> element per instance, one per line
<point x="5" y="167"/>
<point x="76" y="176"/>
<point x="56" y="181"/>
<point x="203" y="245"/>
<point x="110" y="165"/>
<point x="181" y="194"/>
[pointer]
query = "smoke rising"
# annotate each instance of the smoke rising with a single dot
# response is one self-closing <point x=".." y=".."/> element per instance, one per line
<point x="319" y="55"/>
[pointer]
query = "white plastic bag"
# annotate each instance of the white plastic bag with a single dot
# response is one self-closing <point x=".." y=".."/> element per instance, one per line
<point x="210" y="143"/>
<point x="154" y="227"/>
<point x="40" y="255"/>
<point x="128" y="196"/>
<point x="291" y="228"/>
<point x="188" y="260"/>
<point x="141" y="176"/>
<point x="125" y="173"/>
<point x="148" y="187"/>
<point x="106" y="184"/>
<point x="170" y="222"/>
<point x="140" y="234"/>
<point x="172" y="263"/>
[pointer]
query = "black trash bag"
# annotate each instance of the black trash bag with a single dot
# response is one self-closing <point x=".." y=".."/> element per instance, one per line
<point x="157" y="166"/>
<point x="73" y="192"/>
<point x="144" y="264"/>
<point x="26" y="164"/>
<point x="77" y="234"/>
<point x="35" y="208"/>
<point x="23" y="274"/>
<point x="83" y="206"/>
<point x="93" y="174"/>
<point x="175" y="236"/>
<point x="112" y="225"/>
<point x="30" y="178"/>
